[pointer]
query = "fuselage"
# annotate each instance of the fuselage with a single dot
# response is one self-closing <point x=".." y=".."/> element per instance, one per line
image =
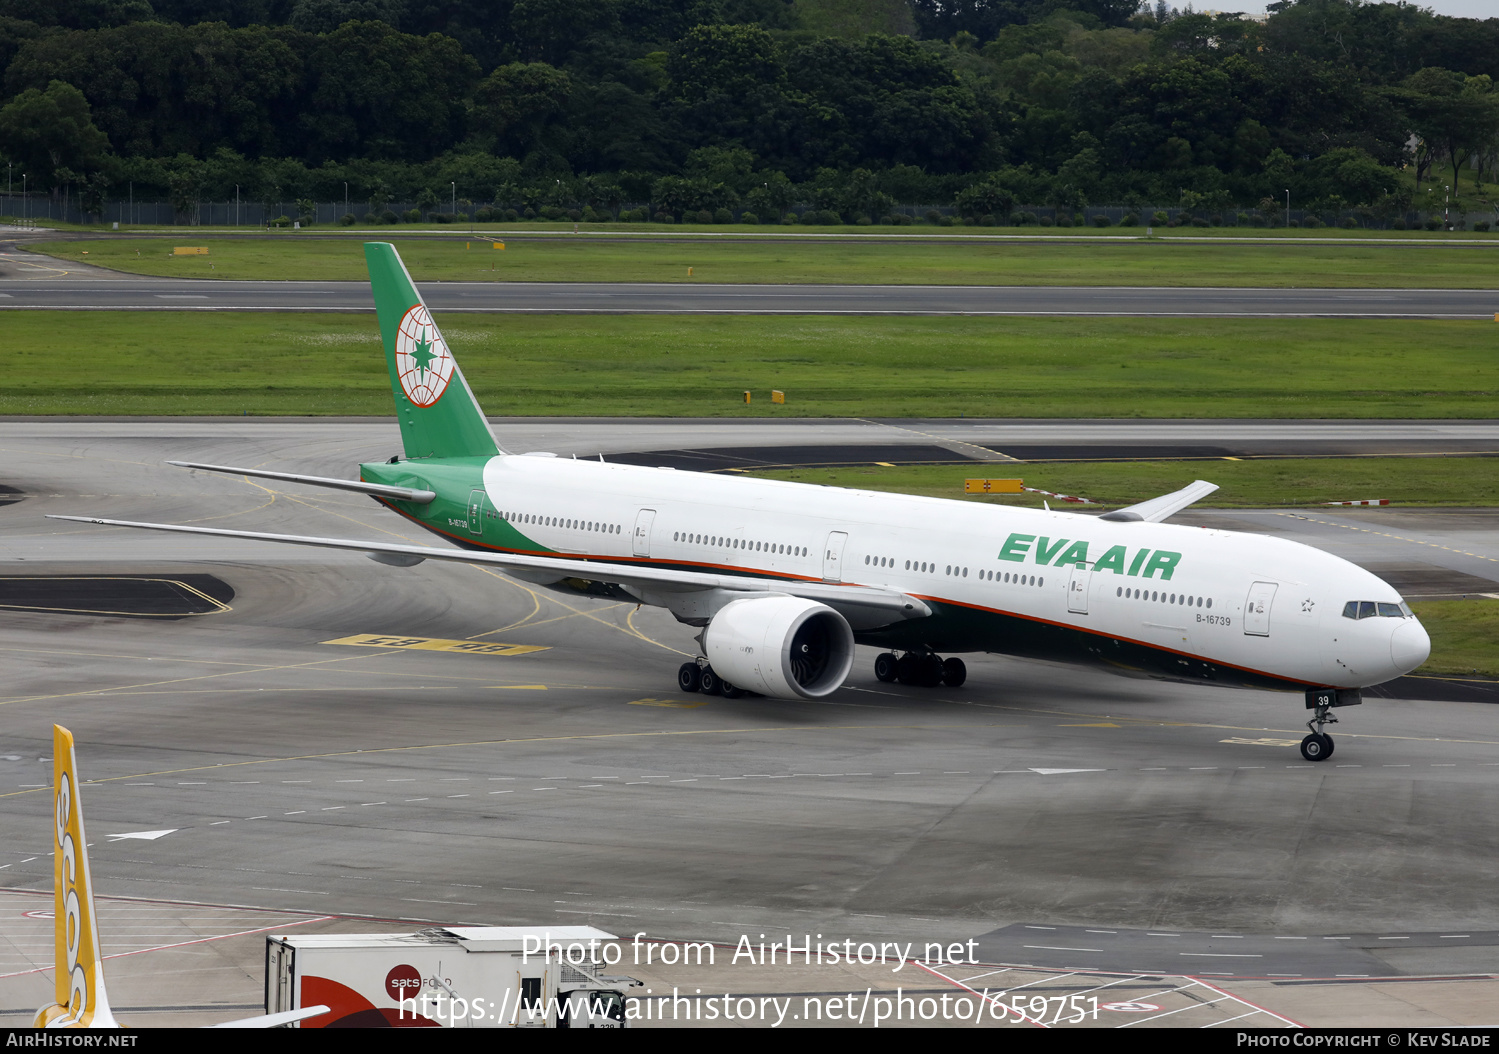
<point x="1163" y="599"/>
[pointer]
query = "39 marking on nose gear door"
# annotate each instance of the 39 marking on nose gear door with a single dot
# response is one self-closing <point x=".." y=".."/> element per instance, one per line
<point x="467" y="647"/>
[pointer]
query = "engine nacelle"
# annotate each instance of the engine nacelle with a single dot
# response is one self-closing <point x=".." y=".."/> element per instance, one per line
<point x="780" y="646"/>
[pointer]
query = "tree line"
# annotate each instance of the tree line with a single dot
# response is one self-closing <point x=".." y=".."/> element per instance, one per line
<point x="692" y="105"/>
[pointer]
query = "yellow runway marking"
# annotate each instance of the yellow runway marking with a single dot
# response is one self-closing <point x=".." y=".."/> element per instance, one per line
<point x="675" y="703"/>
<point x="469" y="647"/>
<point x="1102" y="724"/>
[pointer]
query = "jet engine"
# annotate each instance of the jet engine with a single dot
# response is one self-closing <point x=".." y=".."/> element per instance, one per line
<point x="780" y="646"/>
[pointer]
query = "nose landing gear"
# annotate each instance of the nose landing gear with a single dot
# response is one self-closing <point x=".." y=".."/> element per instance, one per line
<point x="1318" y="745"/>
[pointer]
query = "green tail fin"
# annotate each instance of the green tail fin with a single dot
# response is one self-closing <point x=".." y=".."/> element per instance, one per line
<point x="439" y="415"/>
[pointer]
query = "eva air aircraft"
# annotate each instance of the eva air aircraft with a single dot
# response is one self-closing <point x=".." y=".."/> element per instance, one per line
<point x="785" y="579"/>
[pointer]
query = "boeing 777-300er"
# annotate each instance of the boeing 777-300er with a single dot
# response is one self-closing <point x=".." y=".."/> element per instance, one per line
<point x="785" y="578"/>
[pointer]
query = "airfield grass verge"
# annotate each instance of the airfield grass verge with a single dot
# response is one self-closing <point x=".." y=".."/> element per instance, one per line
<point x="176" y="363"/>
<point x="1259" y="483"/>
<point x="945" y="261"/>
<point x="1464" y="637"/>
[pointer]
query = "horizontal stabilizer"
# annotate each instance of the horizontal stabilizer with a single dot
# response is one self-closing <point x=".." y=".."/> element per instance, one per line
<point x="859" y="599"/>
<point x="1157" y="509"/>
<point x="416" y="497"/>
<point x="281" y="1020"/>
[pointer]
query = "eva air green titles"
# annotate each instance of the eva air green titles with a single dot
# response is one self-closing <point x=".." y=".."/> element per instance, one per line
<point x="1146" y="563"/>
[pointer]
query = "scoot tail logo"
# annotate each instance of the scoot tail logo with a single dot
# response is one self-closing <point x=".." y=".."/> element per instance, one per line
<point x="81" y="1002"/>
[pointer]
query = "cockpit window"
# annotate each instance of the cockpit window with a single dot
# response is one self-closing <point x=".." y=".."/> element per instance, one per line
<point x="1357" y="609"/>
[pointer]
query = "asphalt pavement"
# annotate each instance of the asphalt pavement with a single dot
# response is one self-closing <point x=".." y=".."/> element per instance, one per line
<point x="166" y="294"/>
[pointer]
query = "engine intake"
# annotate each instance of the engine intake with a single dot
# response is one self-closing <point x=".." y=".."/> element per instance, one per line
<point x="780" y="646"/>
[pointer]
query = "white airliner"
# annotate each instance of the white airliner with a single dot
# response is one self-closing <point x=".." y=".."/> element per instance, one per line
<point x="785" y="578"/>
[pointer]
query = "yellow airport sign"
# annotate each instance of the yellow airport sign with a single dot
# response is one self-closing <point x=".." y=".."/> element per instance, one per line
<point x="992" y="486"/>
<point x="777" y="397"/>
<point x="190" y="250"/>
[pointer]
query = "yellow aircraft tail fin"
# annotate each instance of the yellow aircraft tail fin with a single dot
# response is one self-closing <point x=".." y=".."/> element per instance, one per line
<point x="81" y="1001"/>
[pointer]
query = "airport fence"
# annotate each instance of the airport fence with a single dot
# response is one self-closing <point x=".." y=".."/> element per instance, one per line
<point x="43" y="209"/>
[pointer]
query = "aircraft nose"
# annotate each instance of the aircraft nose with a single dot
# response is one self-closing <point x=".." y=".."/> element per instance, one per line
<point x="1409" y="645"/>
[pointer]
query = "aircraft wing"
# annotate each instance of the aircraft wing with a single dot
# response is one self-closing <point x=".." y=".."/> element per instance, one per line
<point x="860" y="604"/>
<point x="1157" y="509"/>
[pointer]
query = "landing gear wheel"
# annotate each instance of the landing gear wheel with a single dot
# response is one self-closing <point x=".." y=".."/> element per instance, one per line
<point x="884" y="667"/>
<point x="709" y="683"/>
<point x="689" y="677"/>
<point x="908" y="669"/>
<point x="728" y="691"/>
<point x="954" y="673"/>
<point x="1317" y="747"/>
<point x="931" y="671"/>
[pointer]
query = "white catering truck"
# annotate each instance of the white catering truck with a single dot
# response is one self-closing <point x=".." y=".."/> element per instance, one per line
<point x="455" y="976"/>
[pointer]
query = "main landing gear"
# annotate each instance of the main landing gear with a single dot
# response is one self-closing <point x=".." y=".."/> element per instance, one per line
<point x="922" y="668"/>
<point x="692" y="677"/>
<point x="1318" y="745"/>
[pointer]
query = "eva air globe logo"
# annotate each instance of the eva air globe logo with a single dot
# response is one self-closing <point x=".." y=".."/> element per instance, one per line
<point x="423" y="362"/>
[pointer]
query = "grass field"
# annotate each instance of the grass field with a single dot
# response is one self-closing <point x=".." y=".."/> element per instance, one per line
<point x="1464" y="636"/>
<point x="663" y="365"/>
<point x="948" y="260"/>
<point x="1266" y="482"/>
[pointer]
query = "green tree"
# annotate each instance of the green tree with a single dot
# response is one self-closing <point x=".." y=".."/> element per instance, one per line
<point x="159" y="90"/>
<point x="1457" y="115"/>
<point x="514" y="104"/>
<point x="547" y="30"/>
<point x="730" y="61"/>
<point x="51" y="130"/>
<point x="983" y="199"/>
<point x="378" y="93"/>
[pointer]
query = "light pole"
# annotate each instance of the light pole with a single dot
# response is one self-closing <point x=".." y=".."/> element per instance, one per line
<point x="1288" y="209"/>
<point x="346" y="198"/>
<point x="1446" y="209"/>
<point x="236" y="204"/>
<point x="455" y="198"/>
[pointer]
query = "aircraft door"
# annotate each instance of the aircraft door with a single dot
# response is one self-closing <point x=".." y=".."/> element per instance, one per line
<point x="476" y="502"/>
<point x="832" y="557"/>
<point x="1257" y="609"/>
<point x="1077" y="589"/>
<point x="641" y="540"/>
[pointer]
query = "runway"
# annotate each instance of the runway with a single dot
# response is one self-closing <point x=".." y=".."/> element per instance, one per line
<point x="50" y="287"/>
<point x="305" y="756"/>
